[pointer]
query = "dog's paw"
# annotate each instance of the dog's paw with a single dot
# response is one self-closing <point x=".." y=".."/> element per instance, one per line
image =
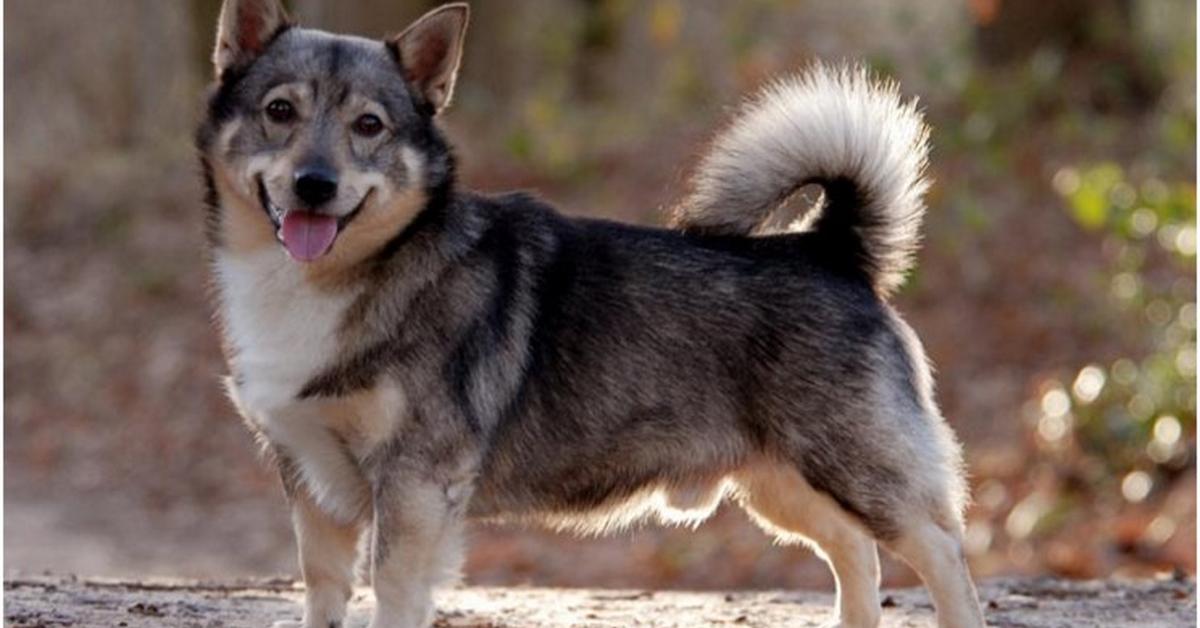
<point x="292" y="623"/>
<point x="839" y="623"/>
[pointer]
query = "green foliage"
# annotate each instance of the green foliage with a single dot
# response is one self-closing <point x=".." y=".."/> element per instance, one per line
<point x="1135" y="418"/>
<point x="1100" y="198"/>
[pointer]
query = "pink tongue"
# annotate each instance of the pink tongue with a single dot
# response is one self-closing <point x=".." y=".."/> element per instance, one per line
<point x="306" y="235"/>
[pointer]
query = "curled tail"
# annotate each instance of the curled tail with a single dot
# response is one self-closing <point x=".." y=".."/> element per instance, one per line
<point x="837" y="128"/>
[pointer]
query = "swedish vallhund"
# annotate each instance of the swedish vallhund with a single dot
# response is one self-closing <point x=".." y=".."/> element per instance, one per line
<point x="414" y="355"/>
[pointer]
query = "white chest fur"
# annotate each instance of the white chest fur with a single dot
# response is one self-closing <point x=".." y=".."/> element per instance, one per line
<point x="283" y="331"/>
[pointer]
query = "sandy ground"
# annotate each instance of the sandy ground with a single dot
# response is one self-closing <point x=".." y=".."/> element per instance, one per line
<point x="69" y="601"/>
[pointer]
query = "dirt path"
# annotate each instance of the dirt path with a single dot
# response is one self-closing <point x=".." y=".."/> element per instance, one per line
<point x="66" y="601"/>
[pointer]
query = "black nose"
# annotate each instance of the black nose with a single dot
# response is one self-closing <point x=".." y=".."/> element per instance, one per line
<point x="315" y="186"/>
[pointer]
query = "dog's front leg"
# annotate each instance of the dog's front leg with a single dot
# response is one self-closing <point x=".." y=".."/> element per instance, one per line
<point x="416" y="543"/>
<point x="328" y="549"/>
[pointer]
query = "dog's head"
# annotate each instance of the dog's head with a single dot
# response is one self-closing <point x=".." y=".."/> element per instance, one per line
<point x="325" y="144"/>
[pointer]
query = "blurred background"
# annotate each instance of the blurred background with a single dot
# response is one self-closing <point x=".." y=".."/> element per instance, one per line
<point x="1055" y="292"/>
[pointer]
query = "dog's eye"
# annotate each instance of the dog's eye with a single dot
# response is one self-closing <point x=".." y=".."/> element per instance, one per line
<point x="281" y="111"/>
<point x="368" y="125"/>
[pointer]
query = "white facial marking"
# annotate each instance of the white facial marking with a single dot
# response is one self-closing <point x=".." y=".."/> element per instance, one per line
<point x="414" y="162"/>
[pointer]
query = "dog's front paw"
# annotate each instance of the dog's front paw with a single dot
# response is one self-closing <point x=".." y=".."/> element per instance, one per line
<point x="292" y="623"/>
<point x="403" y="620"/>
<point x="843" y="623"/>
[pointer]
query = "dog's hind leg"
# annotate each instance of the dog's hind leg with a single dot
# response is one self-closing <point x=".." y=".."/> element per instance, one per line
<point x="935" y="551"/>
<point x="779" y="499"/>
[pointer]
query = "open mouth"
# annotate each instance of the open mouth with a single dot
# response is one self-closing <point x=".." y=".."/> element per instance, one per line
<point x="307" y="236"/>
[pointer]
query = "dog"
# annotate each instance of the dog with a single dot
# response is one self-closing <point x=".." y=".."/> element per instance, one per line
<point x="414" y="355"/>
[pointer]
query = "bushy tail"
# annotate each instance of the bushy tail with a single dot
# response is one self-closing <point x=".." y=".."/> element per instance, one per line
<point x="835" y="127"/>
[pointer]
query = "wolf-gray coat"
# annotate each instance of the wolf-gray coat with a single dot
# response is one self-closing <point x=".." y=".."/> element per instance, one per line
<point x="415" y="354"/>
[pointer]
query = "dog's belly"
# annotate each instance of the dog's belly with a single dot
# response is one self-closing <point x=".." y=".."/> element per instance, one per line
<point x="592" y="503"/>
<point x="613" y="464"/>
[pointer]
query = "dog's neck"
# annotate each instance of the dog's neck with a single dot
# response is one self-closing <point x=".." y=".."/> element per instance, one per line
<point x="278" y="320"/>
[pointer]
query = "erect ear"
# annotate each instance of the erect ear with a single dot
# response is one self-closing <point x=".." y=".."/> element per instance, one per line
<point x="244" y="29"/>
<point x="430" y="50"/>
